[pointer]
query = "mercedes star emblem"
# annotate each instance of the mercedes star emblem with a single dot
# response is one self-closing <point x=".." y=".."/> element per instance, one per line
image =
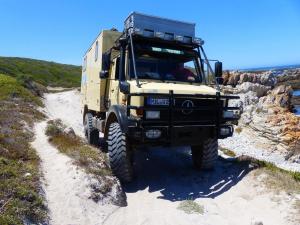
<point x="188" y="105"/>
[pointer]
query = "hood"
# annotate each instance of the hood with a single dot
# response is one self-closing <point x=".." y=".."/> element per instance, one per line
<point x="165" y="87"/>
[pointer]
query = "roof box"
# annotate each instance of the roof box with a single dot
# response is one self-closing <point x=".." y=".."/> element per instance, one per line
<point x="153" y="26"/>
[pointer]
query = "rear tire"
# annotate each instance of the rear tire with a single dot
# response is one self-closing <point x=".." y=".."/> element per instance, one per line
<point x="205" y="155"/>
<point x="119" y="153"/>
<point x="91" y="133"/>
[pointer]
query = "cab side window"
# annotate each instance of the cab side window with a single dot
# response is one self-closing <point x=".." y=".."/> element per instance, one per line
<point x="117" y="69"/>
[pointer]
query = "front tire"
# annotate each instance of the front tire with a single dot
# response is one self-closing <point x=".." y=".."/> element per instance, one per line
<point x="119" y="153"/>
<point x="91" y="134"/>
<point x="204" y="156"/>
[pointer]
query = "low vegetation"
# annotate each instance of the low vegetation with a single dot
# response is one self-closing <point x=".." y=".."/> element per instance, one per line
<point x="228" y="152"/>
<point x="10" y="89"/>
<point x="277" y="180"/>
<point x="20" y="192"/>
<point x="89" y="158"/>
<point x="238" y="130"/>
<point x="273" y="170"/>
<point x="190" y="206"/>
<point x="84" y="155"/>
<point x="42" y="72"/>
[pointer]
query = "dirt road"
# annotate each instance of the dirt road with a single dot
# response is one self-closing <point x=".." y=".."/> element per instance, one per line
<point x="231" y="194"/>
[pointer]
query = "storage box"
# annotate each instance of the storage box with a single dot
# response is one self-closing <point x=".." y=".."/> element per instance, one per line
<point x="158" y="26"/>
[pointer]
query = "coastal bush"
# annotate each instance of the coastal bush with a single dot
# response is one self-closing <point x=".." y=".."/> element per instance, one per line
<point x="11" y="88"/>
<point x="42" y="72"/>
<point x="20" y="198"/>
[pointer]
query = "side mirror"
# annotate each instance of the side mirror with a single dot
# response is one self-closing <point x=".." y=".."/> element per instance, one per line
<point x="218" y="69"/>
<point x="219" y="80"/>
<point x="103" y="74"/>
<point x="219" y="72"/>
<point x="124" y="87"/>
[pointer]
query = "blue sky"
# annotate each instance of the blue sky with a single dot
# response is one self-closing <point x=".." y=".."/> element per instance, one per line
<point x="241" y="33"/>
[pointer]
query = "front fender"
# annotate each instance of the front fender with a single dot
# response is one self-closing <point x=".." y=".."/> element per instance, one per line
<point x="117" y="113"/>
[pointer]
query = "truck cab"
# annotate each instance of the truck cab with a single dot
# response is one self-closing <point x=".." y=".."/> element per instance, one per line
<point x="154" y="85"/>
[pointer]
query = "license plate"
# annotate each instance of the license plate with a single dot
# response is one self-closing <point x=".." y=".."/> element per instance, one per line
<point x="157" y="101"/>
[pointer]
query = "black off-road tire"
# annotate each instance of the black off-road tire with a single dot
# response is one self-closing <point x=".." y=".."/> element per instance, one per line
<point x="91" y="133"/>
<point x="119" y="153"/>
<point x="204" y="156"/>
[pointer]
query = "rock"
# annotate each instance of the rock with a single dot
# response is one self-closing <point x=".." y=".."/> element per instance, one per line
<point x="268" y="78"/>
<point x="260" y="90"/>
<point x="279" y="96"/>
<point x="257" y="223"/>
<point x="226" y="75"/>
<point x="282" y="89"/>
<point x="244" y="77"/>
<point x="70" y="132"/>
<point x="27" y="174"/>
<point x="233" y="79"/>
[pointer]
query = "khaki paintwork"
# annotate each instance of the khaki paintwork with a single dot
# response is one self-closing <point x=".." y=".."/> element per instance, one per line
<point x="150" y="86"/>
<point x="92" y="87"/>
<point x="95" y="90"/>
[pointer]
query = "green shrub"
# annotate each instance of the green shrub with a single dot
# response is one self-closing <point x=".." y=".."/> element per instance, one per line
<point x="189" y="207"/>
<point x="11" y="88"/>
<point x="54" y="127"/>
<point x="43" y="72"/>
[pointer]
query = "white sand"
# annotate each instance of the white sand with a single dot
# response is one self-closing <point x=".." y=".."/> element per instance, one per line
<point x="230" y="194"/>
<point x="66" y="186"/>
<point x="65" y="106"/>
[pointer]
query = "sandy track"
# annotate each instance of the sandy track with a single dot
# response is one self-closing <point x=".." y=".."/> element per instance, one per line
<point x="66" y="186"/>
<point x="230" y="194"/>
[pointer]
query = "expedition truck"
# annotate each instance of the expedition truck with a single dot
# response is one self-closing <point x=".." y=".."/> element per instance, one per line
<point x="152" y="84"/>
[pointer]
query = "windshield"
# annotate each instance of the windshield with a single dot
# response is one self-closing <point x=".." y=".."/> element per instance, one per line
<point x="166" y="65"/>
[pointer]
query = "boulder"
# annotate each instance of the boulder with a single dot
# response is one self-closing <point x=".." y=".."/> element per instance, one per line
<point x="225" y="75"/>
<point x="279" y="96"/>
<point x="233" y="79"/>
<point x="268" y="78"/>
<point x="70" y="132"/>
<point x="258" y="89"/>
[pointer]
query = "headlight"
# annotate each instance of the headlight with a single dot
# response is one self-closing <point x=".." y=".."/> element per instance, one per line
<point x="228" y="114"/>
<point x="152" y="114"/>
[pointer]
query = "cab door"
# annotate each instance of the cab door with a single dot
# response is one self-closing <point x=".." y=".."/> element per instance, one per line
<point x="114" y="83"/>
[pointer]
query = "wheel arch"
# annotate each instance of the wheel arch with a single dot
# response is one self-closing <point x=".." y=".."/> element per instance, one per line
<point x="116" y="113"/>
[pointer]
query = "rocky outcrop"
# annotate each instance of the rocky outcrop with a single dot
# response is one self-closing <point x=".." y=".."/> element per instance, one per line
<point x="236" y="77"/>
<point x="267" y="111"/>
<point x="279" y="96"/>
<point x="290" y="77"/>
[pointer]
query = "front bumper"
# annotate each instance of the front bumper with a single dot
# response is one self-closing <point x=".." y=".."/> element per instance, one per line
<point x="177" y="135"/>
<point x="206" y="122"/>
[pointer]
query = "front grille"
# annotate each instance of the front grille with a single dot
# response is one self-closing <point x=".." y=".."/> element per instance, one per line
<point x="204" y="111"/>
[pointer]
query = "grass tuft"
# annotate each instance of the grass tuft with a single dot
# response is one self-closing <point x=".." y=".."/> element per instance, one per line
<point x="189" y="207"/>
<point x="277" y="179"/>
<point x="238" y="130"/>
<point x="228" y="152"/>
<point x="89" y="158"/>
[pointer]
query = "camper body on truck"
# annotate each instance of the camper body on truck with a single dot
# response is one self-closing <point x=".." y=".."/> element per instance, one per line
<point x="152" y="84"/>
